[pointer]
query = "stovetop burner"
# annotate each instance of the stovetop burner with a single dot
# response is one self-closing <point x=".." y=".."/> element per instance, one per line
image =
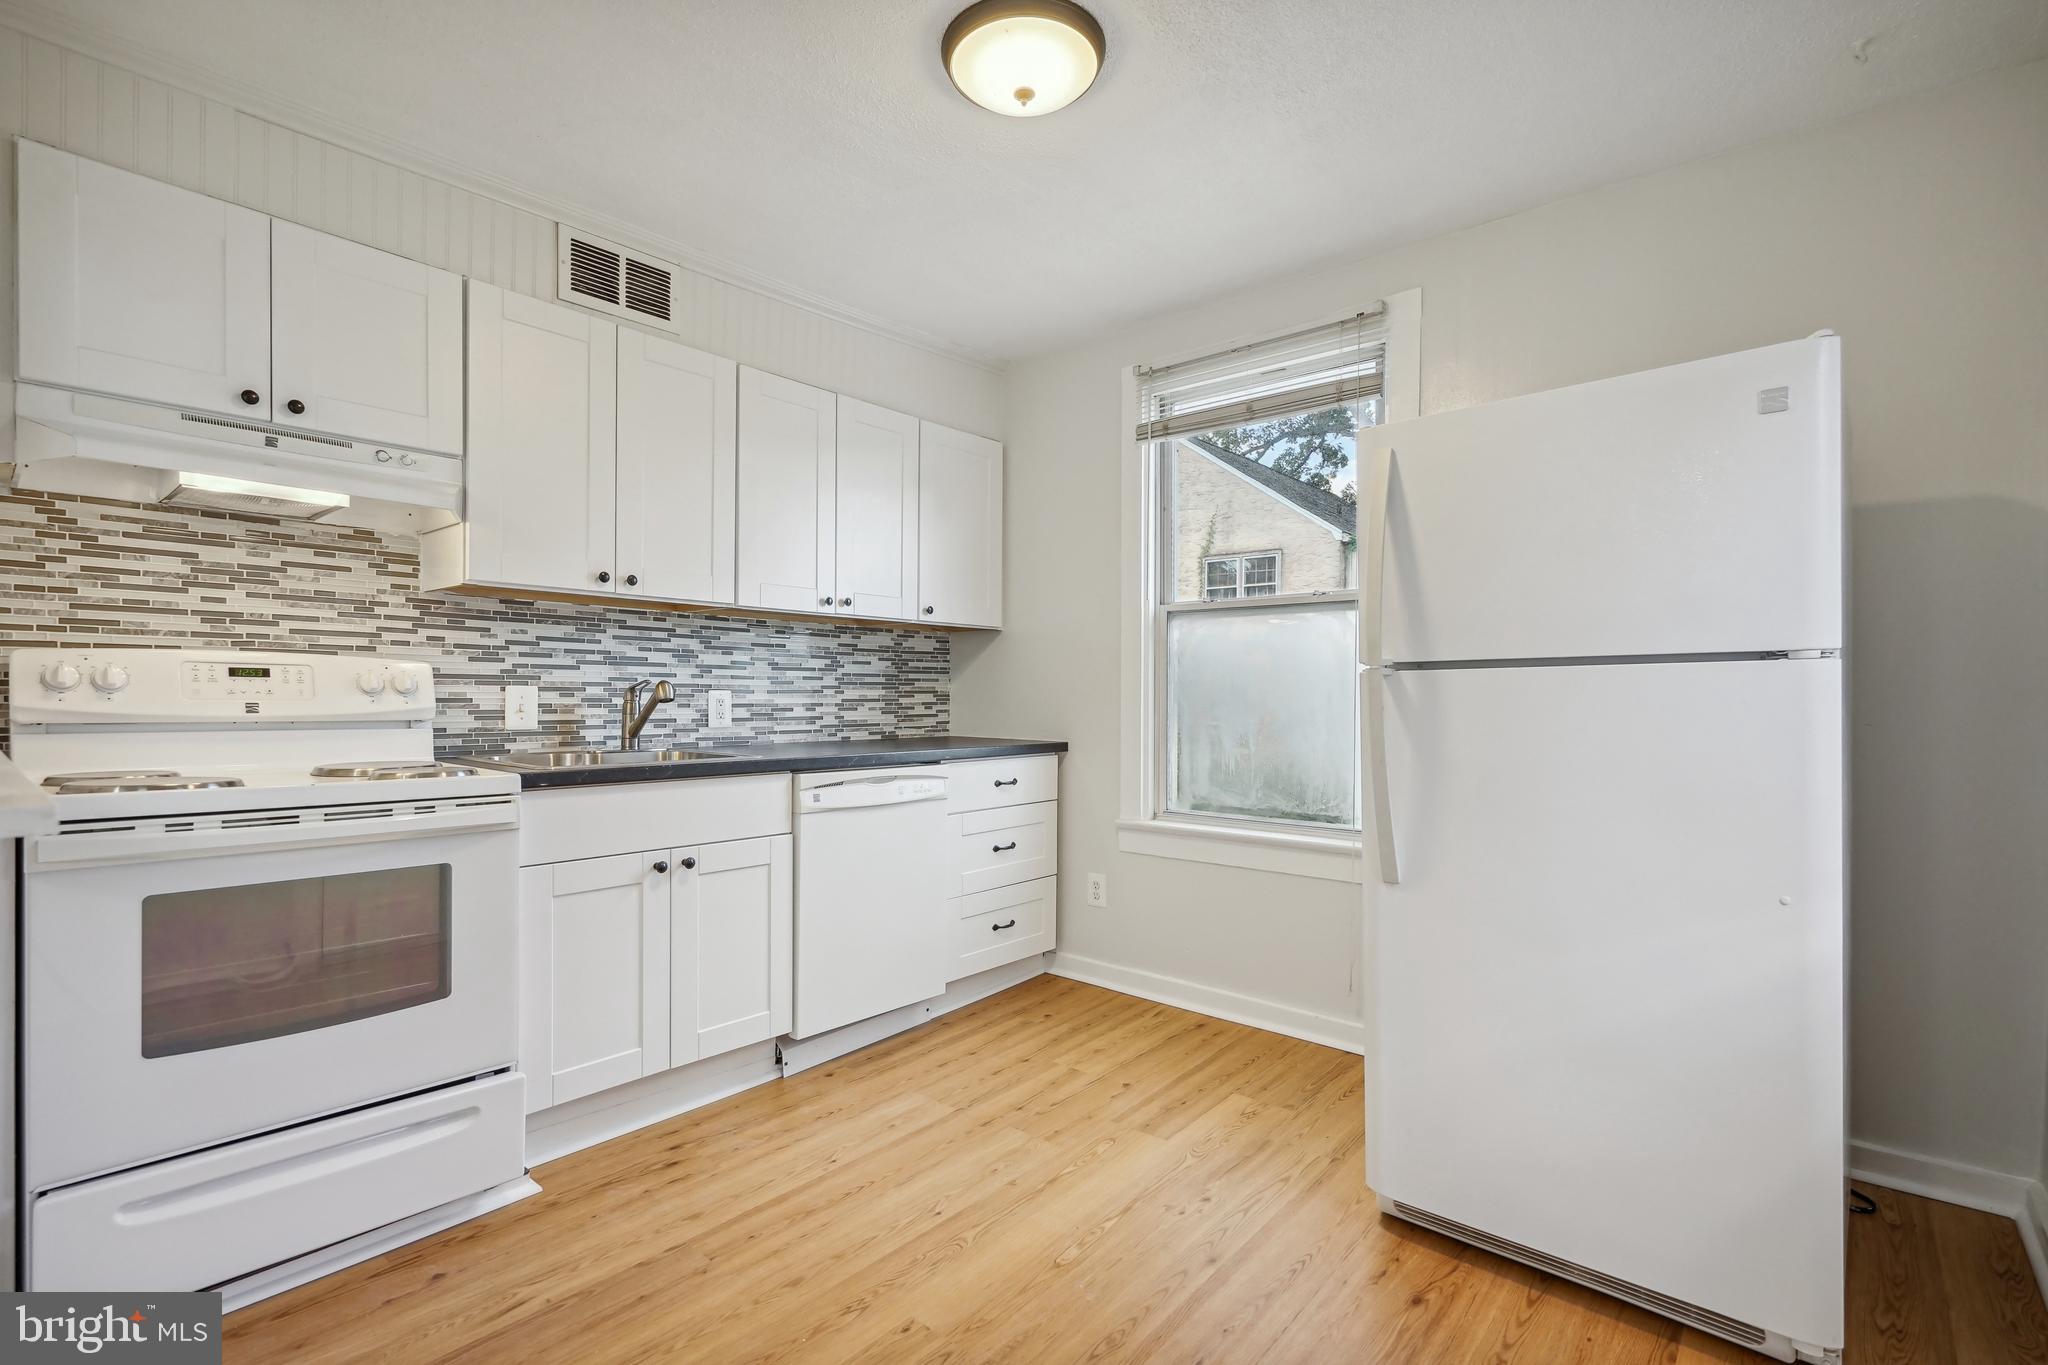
<point x="59" y="779"/>
<point x="390" y="772"/>
<point x="97" y="784"/>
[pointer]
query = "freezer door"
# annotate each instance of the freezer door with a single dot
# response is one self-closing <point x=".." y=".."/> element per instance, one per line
<point x="1607" y="990"/>
<point x="1694" y="509"/>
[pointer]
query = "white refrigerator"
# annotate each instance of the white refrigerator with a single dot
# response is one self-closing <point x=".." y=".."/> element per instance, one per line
<point x="1603" y="694"/>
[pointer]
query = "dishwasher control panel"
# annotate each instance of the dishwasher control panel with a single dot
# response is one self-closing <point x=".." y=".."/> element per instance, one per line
<point x="884" y="790"/>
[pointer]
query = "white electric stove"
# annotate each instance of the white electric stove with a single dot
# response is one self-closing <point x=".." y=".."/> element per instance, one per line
<point x="269" y="963"/>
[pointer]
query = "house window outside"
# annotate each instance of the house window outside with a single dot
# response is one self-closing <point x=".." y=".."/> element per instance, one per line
<point x="1227" y="576"/>
<point x="1255" y="670"/>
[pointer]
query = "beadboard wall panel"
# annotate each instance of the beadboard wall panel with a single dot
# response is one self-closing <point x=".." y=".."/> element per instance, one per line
<point x="99" y="110"/>
<point x="81" y="572"/>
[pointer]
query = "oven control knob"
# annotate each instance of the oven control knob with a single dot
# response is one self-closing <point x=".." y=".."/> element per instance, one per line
<point x="371" y="683"/>
<point x="109" y="678"/>
<point x="405" y="682"/>
<point x="61" y="677"/>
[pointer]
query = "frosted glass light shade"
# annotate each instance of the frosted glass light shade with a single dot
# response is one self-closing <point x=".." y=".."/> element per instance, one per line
<point x="1023" y="59"/>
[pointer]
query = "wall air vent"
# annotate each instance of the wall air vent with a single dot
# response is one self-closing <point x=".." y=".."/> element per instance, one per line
<point x="606" y="276"/>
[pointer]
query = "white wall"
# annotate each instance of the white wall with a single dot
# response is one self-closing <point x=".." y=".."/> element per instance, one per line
<point x="1919" y="231"/>
<point x="97" y="109"/>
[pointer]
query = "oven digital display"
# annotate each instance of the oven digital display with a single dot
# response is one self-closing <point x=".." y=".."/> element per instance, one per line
<point x="235" y="671"/>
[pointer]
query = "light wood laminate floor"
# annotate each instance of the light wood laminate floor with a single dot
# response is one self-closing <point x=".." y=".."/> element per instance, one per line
<point x="1058" y="1173"/>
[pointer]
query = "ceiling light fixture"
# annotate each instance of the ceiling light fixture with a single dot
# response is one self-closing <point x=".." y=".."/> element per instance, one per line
<point x="1022" y="57"/>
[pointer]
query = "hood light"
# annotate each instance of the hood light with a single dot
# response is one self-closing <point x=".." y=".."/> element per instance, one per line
<point x="1023" y="57"/>
<point x="217" y="493"/>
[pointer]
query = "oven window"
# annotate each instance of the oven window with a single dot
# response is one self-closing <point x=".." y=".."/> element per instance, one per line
<point x="236" y="964"/>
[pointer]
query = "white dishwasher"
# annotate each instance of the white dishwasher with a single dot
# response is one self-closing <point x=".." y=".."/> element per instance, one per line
<point x="870" y="894"/>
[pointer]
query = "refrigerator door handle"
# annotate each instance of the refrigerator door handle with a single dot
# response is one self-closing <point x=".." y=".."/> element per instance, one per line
<point x="1374" y="668"/>
<point x="1376" y="552"/>
<point x="1376" y="729"/>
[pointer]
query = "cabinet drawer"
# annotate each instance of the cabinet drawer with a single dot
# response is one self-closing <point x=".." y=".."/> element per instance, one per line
<point x="987" y="783"/>
<point x="1004" y="925"/>
<point x="1003" y="847"/>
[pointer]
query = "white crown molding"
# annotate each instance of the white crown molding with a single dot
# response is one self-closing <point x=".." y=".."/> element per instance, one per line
<point x="53" y="26"/>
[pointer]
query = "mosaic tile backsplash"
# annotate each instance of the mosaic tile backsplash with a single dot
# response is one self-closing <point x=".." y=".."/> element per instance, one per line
<point x="87" y="571"/>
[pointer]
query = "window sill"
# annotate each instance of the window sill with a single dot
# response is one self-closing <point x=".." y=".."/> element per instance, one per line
<point x="1337" y="858"/>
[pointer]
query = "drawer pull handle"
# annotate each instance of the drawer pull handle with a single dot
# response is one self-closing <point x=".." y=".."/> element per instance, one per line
<point x="1006" y="782"/>
<point x="1006" y="924"/>
<point x="1003" y="848"/>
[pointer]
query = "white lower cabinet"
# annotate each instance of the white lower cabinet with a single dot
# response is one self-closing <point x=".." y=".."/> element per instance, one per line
<point x="729" y="947"/>
<point x="595" y="943"/>
<point x="1011" y="922"/>
<point x="1002" y="820"/>
<point x="638" y="962"/>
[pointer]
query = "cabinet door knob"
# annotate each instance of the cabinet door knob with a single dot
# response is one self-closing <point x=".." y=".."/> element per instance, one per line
<point x="689" y="863"/>
<point x="1006" y="781"/>
<point x="251" y="397"/>
<point x="927" y="611"/>
<point x="661" y="866"/>
<point x="632" y="580"/>
<point x="846" y="601"/>
<point x="295" y="407"/>
<point x="604" y="575"/>
<point x="1006" y="924"/>
<point x="824" y="601"/>
<point x="1002" y="848"/>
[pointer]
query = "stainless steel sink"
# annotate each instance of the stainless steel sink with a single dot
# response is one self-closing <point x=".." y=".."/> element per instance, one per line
<point x="550" y="759"/>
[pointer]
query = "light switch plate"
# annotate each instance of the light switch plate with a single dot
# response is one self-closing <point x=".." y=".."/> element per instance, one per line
<point x="522" y="707"/>
<point x="720" y="717"/>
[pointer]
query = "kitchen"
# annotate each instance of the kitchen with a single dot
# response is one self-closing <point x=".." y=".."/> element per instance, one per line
<point x="854" y="785"/>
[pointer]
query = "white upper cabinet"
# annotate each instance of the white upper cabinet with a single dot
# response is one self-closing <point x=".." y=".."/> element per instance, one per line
<point x="960" y="528"/>
<point x="876" y="512"/>
<point x="677" y="470"/>
<point x="541" y="510"/>
<point x="364" y="343"/>
<point x="138" y="289"/>
<point x="787" y="470"/>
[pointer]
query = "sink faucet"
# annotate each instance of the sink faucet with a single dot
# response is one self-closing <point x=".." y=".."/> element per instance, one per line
<point x="634" y="713"/>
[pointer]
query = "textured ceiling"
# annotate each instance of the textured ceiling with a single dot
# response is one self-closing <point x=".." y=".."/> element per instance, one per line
<point x="817" y="142"/>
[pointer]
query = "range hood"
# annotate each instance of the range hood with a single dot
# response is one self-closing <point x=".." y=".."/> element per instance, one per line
<point x="67" y="442"/>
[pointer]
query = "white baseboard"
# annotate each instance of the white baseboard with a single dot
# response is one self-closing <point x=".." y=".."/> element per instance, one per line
<point x="2033" y="1221"/>
<point x="565" y="1128"/>
<point x="801" y="1054"/>
<point x="1953" y="1182"/>
<point x="1330" y="1031"/>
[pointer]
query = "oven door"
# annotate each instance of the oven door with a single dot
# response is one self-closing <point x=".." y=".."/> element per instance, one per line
<point x="190" y="982"/>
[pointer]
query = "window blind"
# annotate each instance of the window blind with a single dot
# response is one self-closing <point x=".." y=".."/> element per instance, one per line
<point x="1339" y="362"/>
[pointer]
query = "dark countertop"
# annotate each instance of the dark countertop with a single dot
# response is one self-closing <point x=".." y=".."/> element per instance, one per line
<point x="806" y="756"/>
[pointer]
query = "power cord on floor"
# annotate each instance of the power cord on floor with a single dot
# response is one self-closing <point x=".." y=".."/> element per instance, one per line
<point x="1859" y="1202"/>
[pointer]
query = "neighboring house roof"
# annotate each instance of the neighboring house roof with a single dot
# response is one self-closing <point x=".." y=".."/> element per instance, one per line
<point x="1319" y="503"/>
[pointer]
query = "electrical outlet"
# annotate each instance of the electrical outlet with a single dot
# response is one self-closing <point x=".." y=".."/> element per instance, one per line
<point x="522" y="707"/>
<point x="721" y="711"/>
<point x="1098" y="889"/>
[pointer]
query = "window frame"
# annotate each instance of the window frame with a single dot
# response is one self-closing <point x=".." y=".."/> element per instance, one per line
<point x="1145" y="824"/>
<point x="1237" y="587"/>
